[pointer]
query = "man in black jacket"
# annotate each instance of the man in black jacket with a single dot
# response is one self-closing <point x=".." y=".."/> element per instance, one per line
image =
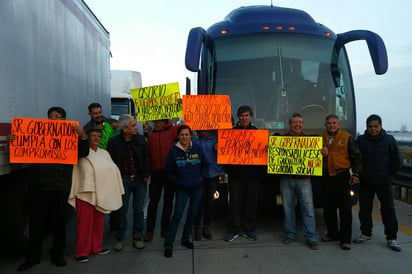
<point x="128" y="152"/>
<point x="243" y="188"/>
<point x="381" y="159"/>
<point x="48" y="193"/>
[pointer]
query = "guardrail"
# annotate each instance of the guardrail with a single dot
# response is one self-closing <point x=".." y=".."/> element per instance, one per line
<point x="404" y="179"/>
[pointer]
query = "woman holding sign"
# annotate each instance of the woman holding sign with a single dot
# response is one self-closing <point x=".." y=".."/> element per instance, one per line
<point x="185" y="168"/>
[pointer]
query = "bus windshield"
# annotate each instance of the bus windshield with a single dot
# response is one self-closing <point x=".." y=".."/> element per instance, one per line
<point x="279" y="74"/>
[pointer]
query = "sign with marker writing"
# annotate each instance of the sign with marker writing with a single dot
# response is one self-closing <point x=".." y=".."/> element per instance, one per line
<point x="205" y="112"/>
<point x="295" y="155"/>
<point x="242" y="146"/>
<point x="43" y="141"/>
<point x="157" y="102"/>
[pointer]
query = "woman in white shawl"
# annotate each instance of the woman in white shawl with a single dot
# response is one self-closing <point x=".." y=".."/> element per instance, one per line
<point x="96" y="190"/>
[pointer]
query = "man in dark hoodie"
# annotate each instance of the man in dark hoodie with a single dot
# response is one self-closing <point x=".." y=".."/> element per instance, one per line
<point x="381" y="159"/>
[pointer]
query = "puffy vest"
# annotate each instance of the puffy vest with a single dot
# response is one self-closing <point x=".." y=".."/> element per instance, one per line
<point x="338" y="157"/>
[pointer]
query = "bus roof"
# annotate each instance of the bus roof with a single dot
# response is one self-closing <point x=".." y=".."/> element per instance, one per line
<point x="258" y="19"/>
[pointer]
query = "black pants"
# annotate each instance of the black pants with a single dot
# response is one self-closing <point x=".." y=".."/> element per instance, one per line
<point x="336" y="196"/>
<point x="385" y="195"/>
<point x="48" y="212"/>
<point x="158" y="182"/>
<point x="206" y="207"/>
<point x="244" y="194"/>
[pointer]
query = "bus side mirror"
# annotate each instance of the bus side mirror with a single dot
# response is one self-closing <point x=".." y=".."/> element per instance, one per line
<point x="375" y="44"/>
<point x="196" y="39"/>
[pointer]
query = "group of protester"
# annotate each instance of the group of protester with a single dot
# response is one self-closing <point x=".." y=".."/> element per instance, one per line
<point x="115" y="162"/>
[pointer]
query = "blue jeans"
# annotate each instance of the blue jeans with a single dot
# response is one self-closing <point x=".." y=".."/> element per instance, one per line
<point x="366" y="195"/>
<point x="292" y="187"/>
<point x="137" y="188"/>
<point x="195" y="197"/>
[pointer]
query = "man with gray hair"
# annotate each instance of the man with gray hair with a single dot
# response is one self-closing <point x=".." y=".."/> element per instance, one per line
<point x="340" y="155"/>
<point x="128" y="152"/>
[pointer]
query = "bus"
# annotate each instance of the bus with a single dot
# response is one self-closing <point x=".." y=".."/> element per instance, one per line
<point x="280" y="61"/>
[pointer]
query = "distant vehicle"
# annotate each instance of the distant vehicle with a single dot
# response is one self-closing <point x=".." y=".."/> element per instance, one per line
<point x="52" y="53"/>
<point x="121" y="82"/>
<point x="280" y="61"/>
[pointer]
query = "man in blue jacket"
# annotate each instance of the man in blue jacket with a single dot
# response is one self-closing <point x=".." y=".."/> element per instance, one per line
<point x="381" y="159"/>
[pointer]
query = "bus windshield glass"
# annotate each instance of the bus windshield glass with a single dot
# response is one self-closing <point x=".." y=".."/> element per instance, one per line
<point x="280" y="74"/>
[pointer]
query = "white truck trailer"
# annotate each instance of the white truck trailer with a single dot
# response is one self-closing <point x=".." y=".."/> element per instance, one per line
<point x="121" y="82"/>
<point x="52" y="53"/>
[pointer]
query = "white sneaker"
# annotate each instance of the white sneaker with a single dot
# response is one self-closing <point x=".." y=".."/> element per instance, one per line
<point x="393" y="244"/>
<point x="361" y="239"/>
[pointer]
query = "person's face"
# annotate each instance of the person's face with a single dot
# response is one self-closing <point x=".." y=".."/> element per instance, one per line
<point x="54" y="115"/>
<point x="332" y="126"/>
<point x="96" y="114"/>
<point x="374" y="128"/>
<point x="131" y="128"/>
<point x="296" y="125"/>
<point x="159" y="125"/>
<point x="244" y="119"/>
<point x="94" y="139"/>
<point x="184" y="137"/>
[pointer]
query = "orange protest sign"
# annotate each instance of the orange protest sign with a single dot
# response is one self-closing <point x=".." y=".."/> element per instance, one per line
<point x="242" y="147"/>
<point x="43" y="141"/>
<point x="204" y="112"/>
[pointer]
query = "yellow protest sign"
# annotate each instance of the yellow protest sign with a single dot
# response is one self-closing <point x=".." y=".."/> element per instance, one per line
<point x="295" y="155"/>
<point x="205" y="112"/>
<point x="157" y="102"/>
<point x="242" y="147"/>
<point x="43" y="141"/>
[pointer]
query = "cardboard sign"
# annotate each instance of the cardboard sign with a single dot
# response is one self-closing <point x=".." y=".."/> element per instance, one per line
<point x="205" y="112"/>
<point x="43" y="141"/>
<point x="157" y="102"/>
<point x="295" y="155"/>
<point x="242" y="146"/>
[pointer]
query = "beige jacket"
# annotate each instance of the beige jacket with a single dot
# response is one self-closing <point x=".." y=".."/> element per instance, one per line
<point x="97" y="181"/>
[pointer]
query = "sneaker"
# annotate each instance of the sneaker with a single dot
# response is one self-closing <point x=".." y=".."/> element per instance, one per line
<point x="119" y="245"/>
<point x="104" y="251"/>
<point x="361" y="239"/>
<point x="230" y="236"/>
<point x="198" y="233"/>
<point x="82" y="259"/>
<point x="345" y="246"/>
<point x="313" y="245"/>
<point x="206" y="233"/>
<point x="148" y="237"/>
<point x="168" y="252"/>
<point x="250" y="235"/>
<point x="393" y="244"/>
<point x="288" y="240"/>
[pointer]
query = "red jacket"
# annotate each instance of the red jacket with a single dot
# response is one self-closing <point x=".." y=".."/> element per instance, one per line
<point x="158" y="146"/>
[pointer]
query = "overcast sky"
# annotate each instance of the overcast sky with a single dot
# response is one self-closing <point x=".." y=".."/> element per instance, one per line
<point x="151" y="36"/>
